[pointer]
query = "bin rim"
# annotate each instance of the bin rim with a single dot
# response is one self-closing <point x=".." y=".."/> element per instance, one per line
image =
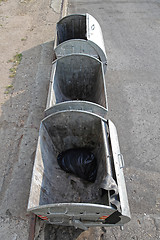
<point x="70" y="15"/>
<point x="70" y="204"/>
<point x="77" y="54"/>
<point x="37" y="210"/>
<point x="74" y="111"/>
<point x="76" y="40"/>
<point x="119" y="169"/>
<point x="74" y="102"/>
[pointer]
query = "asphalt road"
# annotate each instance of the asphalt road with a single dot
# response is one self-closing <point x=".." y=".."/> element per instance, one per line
<point x="131" y="31"/>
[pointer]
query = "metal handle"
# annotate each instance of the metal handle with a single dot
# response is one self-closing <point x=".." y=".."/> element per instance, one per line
<point x="58" y="213"/>
<point x="52" y="222"/>
<point x="121" y="160"/>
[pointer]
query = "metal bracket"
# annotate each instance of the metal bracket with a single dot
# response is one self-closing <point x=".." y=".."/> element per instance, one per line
<point x="121" y="228"/>
<point x="121" y="159"/>
<point x="78" y="224"/>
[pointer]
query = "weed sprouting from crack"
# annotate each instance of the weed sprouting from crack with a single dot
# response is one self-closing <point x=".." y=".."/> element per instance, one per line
<point x="3" y="1"/>
<point x="24" y="39"/>
<point x="9" y="88"/>
<point x="16" y="61"/>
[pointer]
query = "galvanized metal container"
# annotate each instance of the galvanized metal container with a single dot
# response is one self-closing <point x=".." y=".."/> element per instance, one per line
<point x="61" y="198"/>
<point x="80" y="33"/>
<point x="77" y="83"/>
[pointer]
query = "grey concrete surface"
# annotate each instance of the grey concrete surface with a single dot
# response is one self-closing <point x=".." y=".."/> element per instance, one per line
<point x="19" y="132"/>
<point x="131" y="31"/>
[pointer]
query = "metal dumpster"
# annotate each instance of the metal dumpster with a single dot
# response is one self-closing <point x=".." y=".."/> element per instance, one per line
<point x="61" y="198"/>
<point x="77" y="83"/>
<point x="78" y="33"/>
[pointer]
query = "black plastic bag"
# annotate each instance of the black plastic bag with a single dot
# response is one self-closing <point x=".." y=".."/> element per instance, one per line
<point x="79" y="161"/>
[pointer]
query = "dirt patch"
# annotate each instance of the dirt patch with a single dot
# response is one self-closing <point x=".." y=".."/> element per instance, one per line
<point x="23" y="25"/>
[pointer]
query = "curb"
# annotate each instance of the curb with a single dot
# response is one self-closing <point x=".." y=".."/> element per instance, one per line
<point x="64" y="8"/>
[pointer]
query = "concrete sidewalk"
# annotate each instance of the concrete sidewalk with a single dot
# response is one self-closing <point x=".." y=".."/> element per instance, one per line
<point x="27" y="27"/>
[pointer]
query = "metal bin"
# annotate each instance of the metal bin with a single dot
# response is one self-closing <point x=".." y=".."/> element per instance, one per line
<point x="61" y="198"/>
<point x="77" y="83"/>
<point x="80" y="33"/>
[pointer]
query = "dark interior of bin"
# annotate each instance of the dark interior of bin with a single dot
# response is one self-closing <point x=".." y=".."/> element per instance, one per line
<point x="79" y="77"/>
<point x="71" y="27"/>
<point x="71" y="130"/>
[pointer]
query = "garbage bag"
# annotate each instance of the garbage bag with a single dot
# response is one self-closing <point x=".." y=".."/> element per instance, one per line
<point x="79" y="161"/>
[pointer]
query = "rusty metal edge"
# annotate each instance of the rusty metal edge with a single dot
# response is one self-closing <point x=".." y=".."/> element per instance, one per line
<point x="32" y="227"/>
